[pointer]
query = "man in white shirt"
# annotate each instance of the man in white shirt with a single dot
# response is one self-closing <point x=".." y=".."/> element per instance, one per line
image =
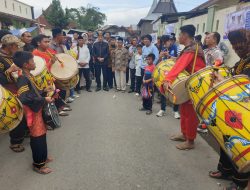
<point x="83" y="58"/>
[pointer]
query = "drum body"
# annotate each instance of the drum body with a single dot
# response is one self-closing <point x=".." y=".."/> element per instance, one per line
<point x="226" y="110"/>
<point x="65" y="71"/>
<point x="200" y="82"/>
<point x="42" y="75"/>
<point x="180" y="94"/>
<point x="11" y="111"/>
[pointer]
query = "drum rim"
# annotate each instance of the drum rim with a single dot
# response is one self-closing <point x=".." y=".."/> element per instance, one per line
<point x="44" y="66"/>
<point x="67" y="78"/>
<point x="212" y="89"/>
<point x="20" y="117"/>
<point x="52" y="106"/>
<point x="200" y="71"/>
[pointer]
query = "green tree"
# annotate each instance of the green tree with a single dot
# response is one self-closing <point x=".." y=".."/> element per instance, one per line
<point x="56" y="16"/>
<point x="89" y="18"/>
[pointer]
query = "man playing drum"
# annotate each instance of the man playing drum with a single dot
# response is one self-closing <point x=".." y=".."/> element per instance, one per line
<point x="240" y="41"/>
<point x="191" y="59"/>
<point x="10" y="44"/>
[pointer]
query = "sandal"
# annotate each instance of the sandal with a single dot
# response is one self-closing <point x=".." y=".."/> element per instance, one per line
<point x="185" y="146"/>
<point x="179" y="138"/>
<point x="43" y="170"/>
<point x="233" y="186"/>
<point x="17" y="148"/>
<point x="218" y="175"/>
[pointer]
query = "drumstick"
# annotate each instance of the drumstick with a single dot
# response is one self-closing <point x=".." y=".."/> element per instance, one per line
<point x="51" y="55"/>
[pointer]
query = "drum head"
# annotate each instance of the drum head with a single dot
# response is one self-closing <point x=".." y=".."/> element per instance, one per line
<point x="40" y="65"/>
<point x="180" y="92"/>
<point x="66" y="69"/>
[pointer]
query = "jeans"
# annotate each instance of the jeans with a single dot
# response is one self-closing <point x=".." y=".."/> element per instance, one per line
<point x="163" y="103"/>
<point x="71" y="92"/>
<point x="127" y="75"/>
<point x="101" y="69"/>
<point x="176" y="108"/>
<point x="86" y="73"/>
<point x="132" y="78"/>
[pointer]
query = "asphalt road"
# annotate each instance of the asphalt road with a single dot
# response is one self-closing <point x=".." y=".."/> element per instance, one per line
<point x="107" y="144"/>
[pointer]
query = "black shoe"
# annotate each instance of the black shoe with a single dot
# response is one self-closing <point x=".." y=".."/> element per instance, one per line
<point x="106" y="89"/>
<point x="89" y="90"/>
<point x="97" y="89"/>
<point x="78" y="91"/>
<point x="131" y="91"/>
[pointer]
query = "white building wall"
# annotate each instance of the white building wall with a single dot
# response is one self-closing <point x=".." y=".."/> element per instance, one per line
<point x="16" y="8"/>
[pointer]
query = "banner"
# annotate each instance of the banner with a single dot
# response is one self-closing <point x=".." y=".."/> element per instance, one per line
<point x="237" y="20"/>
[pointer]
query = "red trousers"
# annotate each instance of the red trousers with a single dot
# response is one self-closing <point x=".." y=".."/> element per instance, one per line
<point x="189" y="120"/>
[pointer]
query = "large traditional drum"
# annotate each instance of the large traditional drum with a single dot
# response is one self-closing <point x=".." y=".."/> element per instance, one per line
<point x="200" y="82"/>
<point x="65" y="71"/>
<point x="179" y="92"/>
<point x="11" y="111"/>
<point x="43" y="77"/>
<point x="226" y="110"/>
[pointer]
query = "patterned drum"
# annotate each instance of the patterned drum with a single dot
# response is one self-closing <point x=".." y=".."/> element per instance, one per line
<point x="65" y="71"/>
<point x="11" y="111"/>
<point x="179" y="93"/>
<point x="43" y="77"/>
<point x="226" y="110"/>
<point x="200" y="82"/>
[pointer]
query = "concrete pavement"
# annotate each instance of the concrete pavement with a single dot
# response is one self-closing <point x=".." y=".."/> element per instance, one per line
<point x="107" y="144"/>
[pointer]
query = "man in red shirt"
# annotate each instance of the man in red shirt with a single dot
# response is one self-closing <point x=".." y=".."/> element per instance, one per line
<point x="191" y="60"/>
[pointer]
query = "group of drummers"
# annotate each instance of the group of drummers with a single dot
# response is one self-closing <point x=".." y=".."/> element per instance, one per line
<point x="35" y="80"/>
<point x="211" y="94"/>
<point x="207" y="93"/>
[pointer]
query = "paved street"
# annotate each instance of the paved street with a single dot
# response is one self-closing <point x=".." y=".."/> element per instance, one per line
<point x="107" y="144"/>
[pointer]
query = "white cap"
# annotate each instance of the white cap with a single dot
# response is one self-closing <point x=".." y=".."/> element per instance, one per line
<point x="22" y="31"/>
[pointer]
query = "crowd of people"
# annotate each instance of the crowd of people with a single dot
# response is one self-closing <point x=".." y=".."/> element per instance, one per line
<point x="111" y="64"/>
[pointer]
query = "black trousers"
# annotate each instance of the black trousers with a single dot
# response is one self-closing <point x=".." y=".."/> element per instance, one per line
<point x="39" y="150"/>
<point x="59" y="102"/>
<point x="86" y="74"/>
<point x="17" y="134"/>
<point x="227" y="168"/>
<point x="101" y="69"/>
<point x="92" y="68"/>
<point x="132" y="79"/>
<point x="147" y="103"/>
<point x="111" y="77"/>
<point x="127" y="74"/>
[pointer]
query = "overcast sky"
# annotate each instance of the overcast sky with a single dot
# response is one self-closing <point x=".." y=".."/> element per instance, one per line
<point x="122" y="12"/>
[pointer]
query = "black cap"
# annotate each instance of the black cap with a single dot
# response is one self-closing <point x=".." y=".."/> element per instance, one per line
<point x="56" y="31"/>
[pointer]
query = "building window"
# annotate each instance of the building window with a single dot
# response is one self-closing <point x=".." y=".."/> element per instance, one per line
<point x="5" y="3"/>
<point x="13" y="5"/>
<point x="217" y="25"/>
<point x="204" y="27"/>
<point x="198" y="28"/>
<point x="20" y="8"/>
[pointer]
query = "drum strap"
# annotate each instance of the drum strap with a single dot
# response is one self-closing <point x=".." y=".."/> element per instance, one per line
<point x="195" y="58"/>
<point x="78" y="52"/>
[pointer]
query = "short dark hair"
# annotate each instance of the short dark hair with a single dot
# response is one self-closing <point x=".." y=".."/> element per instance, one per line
<point x="151" y="55"/>
<point x="217" y="37"/>
<point x="37" y="39"/>
<point x="198" y="38"/>
<point x="188" y="29"/>
<point x="22" y="57"/>
<point x="139" y="46"/>
<point x="148" y="36"/>
<point x="165" y="38"/>
<point x="3" y="33"/>
<point x="239" y="36"/>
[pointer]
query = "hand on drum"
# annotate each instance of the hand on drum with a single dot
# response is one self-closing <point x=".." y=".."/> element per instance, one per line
<point x="167" y="86"/>
<point x="216" y="77"/>
<point x="49" y="89"/>
<point x="49" y="99"/>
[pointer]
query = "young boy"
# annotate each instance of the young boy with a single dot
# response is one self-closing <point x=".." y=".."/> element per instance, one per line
<point x="33" y="102"/>
<point x="138" y="62"/>
<point x="148" y="84"/>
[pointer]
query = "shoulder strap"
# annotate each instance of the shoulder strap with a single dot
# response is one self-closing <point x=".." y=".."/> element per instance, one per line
<point x="195" y="58"/>
<point x="78" y="52"/>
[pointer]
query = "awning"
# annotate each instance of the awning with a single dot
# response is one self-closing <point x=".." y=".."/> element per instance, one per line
<point x="17" y="32"/>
